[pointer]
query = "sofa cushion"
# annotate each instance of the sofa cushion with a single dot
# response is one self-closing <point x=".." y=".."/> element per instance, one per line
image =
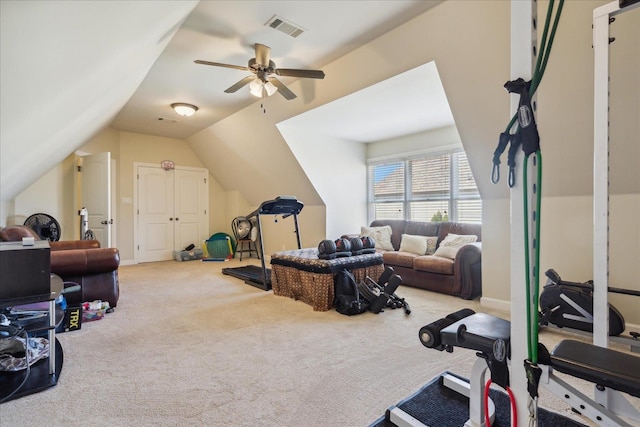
<point x="460" y="228"/>
<point x="452" y="243"/>
<point x="419" y="228"/>
<point x="400" y="259"/>
<point x="433" y="264"/>
<point x="382" y="236"/>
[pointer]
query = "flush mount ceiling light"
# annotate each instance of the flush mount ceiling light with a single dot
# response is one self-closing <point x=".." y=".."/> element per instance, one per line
<point x="261" y="89"/>
<point x="185" y="110"/>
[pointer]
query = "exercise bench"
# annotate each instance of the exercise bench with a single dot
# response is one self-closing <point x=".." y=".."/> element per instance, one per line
<point x="489" y="336"/>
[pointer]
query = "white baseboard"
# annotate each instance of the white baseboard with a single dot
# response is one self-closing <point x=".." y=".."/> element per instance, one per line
<point x="496" y="304"/>
<point x="127" y="262"/>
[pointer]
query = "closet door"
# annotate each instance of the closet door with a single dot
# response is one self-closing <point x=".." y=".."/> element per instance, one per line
<point x="155" y="214"/>
<point x="172" y="211"/>
<point x="191" y="203"/>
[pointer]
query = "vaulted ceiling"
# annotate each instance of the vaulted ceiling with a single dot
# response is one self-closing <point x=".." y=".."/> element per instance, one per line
<point x="69" y="69"/>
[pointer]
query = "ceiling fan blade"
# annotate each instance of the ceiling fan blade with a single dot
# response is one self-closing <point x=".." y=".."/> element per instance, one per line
<point x="218" y="64"/>
<point x="240" y="84"/>
<point x="307" y="74"/>
<point x="263" y="54"/>
<point x="284" y="91"/>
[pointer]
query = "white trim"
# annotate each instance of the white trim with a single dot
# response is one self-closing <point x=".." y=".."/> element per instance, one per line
<point x="416" y="153"/>
<point x="496" y="304"/>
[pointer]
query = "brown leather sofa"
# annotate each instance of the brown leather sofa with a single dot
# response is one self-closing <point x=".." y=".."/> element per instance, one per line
<point x="84" y="262"/>
<point x="461" y="276"/>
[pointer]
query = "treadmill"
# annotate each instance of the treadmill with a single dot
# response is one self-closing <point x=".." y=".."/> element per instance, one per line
<point x="285" y="206"/>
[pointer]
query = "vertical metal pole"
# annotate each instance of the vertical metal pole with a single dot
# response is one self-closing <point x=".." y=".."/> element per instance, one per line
<point x="264" y="267"/>
<point x="601" y="21"/>
<point x="295" y="220"/>
<point x="52" y="336"/>
<point x="601" y="173"/>
<point x="523" y="39"/>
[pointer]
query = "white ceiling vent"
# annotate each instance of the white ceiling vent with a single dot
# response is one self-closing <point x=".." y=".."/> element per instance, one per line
<point x="287" y="27"/>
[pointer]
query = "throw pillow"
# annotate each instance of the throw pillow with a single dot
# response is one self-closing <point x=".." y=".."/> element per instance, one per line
<point x="452" y="243"/>
<point x="419" y="245"/>
<point x="413" y="244"/>
<point x="382" y="236"/>
<point x="432" y="242"/>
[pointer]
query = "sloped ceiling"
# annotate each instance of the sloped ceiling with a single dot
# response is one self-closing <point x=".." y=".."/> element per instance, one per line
<point x="67" y="69"/>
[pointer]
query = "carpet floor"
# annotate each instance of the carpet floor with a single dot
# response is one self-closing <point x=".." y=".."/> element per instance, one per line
<point x="187" y="345"/>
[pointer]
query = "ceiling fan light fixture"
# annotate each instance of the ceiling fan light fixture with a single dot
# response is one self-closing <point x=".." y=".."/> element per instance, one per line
<point x="270" y="88"/>
<point x="261" y="89"/>
<point x="255" y="88"/>
<point x="185" y="110"/>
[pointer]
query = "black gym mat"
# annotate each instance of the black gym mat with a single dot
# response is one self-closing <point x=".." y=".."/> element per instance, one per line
<point x="251" y="274"/>
<point x="437" y="405"/>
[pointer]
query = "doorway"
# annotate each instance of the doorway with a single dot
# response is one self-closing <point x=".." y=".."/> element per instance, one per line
<point x="97" y="178"/>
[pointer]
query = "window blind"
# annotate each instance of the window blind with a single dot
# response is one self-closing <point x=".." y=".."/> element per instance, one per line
<point x="438" y="186"/>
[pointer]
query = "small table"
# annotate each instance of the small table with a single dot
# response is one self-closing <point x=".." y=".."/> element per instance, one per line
<point x="301" y="275"/>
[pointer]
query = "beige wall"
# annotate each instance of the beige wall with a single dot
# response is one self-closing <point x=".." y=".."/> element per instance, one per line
<point x="337" y="169"/>
<point x="150" y="149"/>
<point x="419" y="143"/>
<point x="567" y="246"/>
<point x="54" y="192"/>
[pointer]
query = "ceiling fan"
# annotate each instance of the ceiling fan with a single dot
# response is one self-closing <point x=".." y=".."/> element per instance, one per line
<point x="263" y="83"/>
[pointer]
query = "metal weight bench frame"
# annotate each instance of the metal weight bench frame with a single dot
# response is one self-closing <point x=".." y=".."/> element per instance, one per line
<point x="602" y="366"/>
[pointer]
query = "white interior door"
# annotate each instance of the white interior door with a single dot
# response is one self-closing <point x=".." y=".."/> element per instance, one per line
<point x="172" y="210"/>
<point x="96" y="195"/>
<point x="191" y="203"/>
<point x="155" y="214"/>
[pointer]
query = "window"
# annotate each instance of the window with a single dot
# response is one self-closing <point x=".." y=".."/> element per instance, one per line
<point x="437" y="186"/>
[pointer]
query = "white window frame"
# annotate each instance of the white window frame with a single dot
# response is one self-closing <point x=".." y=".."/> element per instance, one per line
<point x="455" y="195"/>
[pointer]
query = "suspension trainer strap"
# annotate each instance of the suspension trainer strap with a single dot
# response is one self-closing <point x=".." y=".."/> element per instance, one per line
<point x="516" y="143"/>
<point x="527" y="128"/>
<point x="502" y="145"/>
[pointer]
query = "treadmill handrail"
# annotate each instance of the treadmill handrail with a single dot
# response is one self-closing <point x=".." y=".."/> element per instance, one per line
<point x="279" y="206"/>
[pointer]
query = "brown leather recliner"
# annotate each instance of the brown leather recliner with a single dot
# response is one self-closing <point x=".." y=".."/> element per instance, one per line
<point x="84" y="262"/>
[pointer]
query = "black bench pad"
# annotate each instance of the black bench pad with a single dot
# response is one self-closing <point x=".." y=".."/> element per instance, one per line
<point x="610" y="368"/>
<point x="481" y="331"/>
